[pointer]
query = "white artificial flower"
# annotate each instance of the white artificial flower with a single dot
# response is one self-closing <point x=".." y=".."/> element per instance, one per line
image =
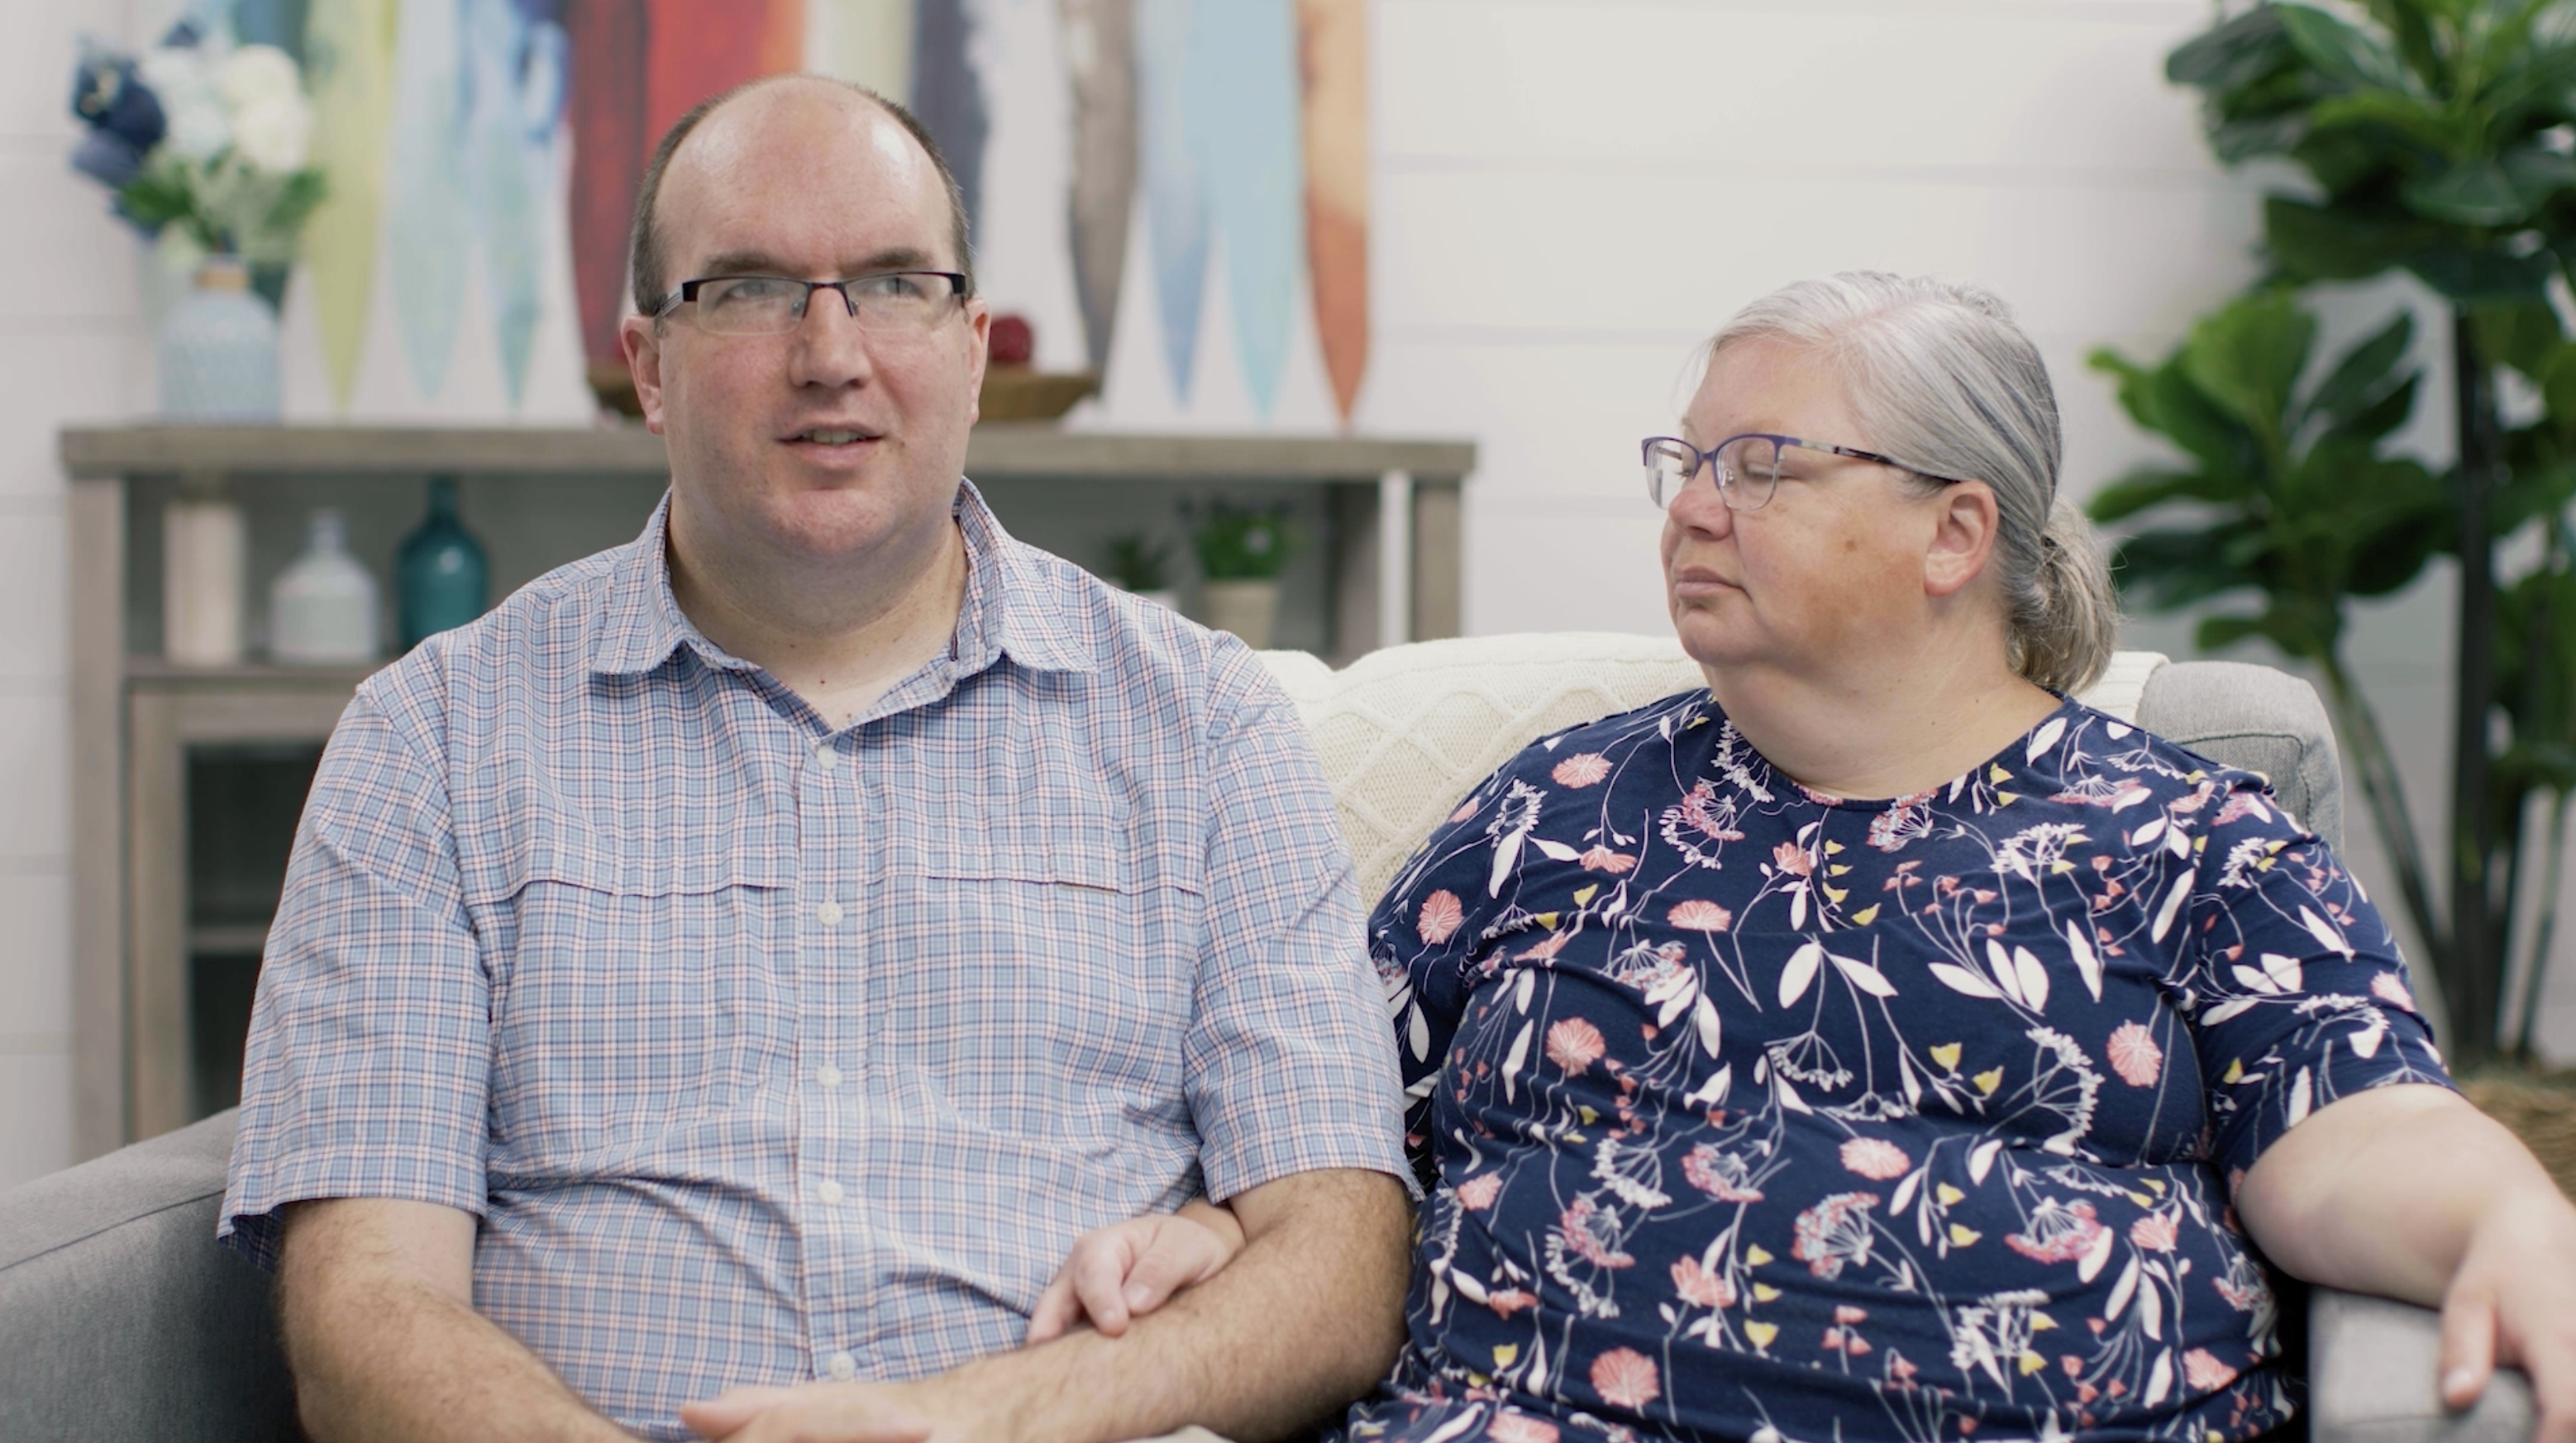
<point x="257" y="75"/>
<point x="275" y="135"/>
<point x="185" y="85"/>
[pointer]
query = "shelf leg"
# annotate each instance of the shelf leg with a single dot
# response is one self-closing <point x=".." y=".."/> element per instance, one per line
<point x="1395" y="558"/>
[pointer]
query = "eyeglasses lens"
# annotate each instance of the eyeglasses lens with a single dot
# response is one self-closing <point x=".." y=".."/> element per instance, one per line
<point x="1748" y="470"/>
<point x="769" y="305"/>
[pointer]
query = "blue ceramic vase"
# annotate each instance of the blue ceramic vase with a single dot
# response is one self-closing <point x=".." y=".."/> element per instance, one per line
<point x="219" y="351"/>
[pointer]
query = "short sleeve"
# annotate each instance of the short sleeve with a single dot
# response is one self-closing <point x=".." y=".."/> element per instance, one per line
<point x="2291" y="979"/>
<point x="369" y="1057"/>
<point x="1288" y="1064"/>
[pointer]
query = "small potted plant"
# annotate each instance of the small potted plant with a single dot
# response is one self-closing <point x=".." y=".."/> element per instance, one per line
<point x="207" y="148"/>
<point x="1241" y="550"/>
<point x="1141" y="564"/>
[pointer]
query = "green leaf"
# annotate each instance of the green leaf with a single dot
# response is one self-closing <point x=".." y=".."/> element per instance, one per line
<point x="2167" y="570"/>
<point x="2436" y="132"/>
<point x="2374" y="421"/>
<point x="2472" y="192"/>
<point x="2523" y="337"/>
<point x="2237" y="141"/>
<point x="2336" y="244"/>
<point x="2343" y="54"/>
<point x="2152" y="486"/>
<point x="2247" y="358"/>
<point x="2360" y="375"/>
<point x="2187" y="416"/>
<point x="2232" y="54"/>
<point x="2217" y="633"/>
<point x="2481" y="275"/>
<point x="2558" y="389"/>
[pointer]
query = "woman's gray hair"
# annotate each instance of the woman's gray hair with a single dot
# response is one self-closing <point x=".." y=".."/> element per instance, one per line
<point x="1940" y="378"/>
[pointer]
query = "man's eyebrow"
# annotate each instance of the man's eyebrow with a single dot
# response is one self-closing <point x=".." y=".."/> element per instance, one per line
<point x="761" y="263"/>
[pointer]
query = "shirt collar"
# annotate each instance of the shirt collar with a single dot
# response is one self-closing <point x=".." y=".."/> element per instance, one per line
<point x="1010" y="609"/>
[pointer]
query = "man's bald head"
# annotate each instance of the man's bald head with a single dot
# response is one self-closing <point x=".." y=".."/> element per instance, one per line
<point x="646" y="257"/>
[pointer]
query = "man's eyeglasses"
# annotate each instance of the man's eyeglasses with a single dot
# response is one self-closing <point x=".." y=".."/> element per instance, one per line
<point x="1745" y="468"/>
<point x="894" y="302"/>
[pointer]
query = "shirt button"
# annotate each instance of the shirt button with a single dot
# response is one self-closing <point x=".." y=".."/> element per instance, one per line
<point x="825" y="758"/>
<point x="828" y="1075"/>
<point x="842" y="1366"/>
<point x="828" y="1190"/>
<point x="828" y="913"/>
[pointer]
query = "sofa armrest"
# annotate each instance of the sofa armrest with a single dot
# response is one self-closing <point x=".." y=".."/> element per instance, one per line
<point x="2372" y="1379"/>
<point x="121" y="1318"/>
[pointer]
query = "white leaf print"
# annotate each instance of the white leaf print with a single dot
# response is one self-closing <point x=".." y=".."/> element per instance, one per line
<point x="2116" y="732"/>
<point x="1982" y="1158"/>
<point x="2177" y="843"/>
<point x="1417" y="1031"/>
<point x="2034" y="978"/>
<point x="2324" y="931"/>
<point x="2225" y="1010"/>
<point x="1863" y="976"/>
<point x="2284" y="971"/>
<point x="2160" y="1381"/>
<point x="1671" y="995"/>
<point x="2121" y="1291"/>
<point x="2147" y="833"/>
<point x="2045" y="738"/>
<point x="1800" y="971"/>
<point x="1960" y="979"/>
<point x="2172" y="908"/>
<point x="2252" y="980"/>
<point x="1706" y="1016"/>
<point x="1513" y="1059"/>
<point x="1507" y="855"/>
<point x="1798" y="906"/>
<point x="1789" y="1097"/>
<point x="2300" y="1087"/>
<point x="1557" y="851"/>
<point x="2151" y="1311"/>
<point x="2096" y="1256"/>
<point x="1523" y="990"/>
<point x="2087" y="965"/>
<point x="1713" y="1091"/>
<point x="2365" y="1043"/>
<point x="1905" y="1192"/>
<point x="2001" y="965"/>
<point x="1913" y="1089"/>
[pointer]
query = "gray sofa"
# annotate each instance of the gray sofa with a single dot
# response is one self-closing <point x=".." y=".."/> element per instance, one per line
<point x="122" y="1320"/>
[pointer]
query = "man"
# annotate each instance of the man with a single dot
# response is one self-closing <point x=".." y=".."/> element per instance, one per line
<point x="752" y="955"/>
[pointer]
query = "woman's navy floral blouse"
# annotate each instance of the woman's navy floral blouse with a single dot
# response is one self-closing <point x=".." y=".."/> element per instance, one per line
<point x="1750" y="1112"/>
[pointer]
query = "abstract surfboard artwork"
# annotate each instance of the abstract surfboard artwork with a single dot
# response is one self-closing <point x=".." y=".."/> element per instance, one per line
<point x="1241" y="110"/>
<point x="1333" y="46"/>
<point x="698" y="48"/>
<point x="948" y="94"/>
<point x="1176" y="208"/>
<point x="349" y="48"/>
<point x="513" y="90"/>
<point x="605" y="112"/>
<point x="867" y="41"/>
<point x="429" y="222"/>
<point x="1099" y="39"/>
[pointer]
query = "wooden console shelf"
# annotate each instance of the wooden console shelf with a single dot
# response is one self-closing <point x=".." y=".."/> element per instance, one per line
<point x="1392" y="573"/>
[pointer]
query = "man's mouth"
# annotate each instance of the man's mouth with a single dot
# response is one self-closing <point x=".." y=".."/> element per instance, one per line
<point x="833" y="436"/>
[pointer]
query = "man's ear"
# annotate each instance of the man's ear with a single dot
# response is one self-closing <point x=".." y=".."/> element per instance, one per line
<point x="643" y="347"/>
<point x="1965" y="523"/>
<point x="979" y="326"/>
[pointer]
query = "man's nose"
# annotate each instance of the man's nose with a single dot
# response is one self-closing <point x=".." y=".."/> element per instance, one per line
<point x="828" y="347"/>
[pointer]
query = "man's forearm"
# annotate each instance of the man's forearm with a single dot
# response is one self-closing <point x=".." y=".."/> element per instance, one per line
<point x="1302" y="1321"/>
<point x="382" y="1356"/>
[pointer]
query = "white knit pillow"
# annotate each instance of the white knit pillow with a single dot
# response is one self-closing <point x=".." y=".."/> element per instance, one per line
<point x="1407" y="731"/>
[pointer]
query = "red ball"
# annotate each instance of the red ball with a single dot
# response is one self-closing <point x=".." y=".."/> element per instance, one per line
<point x="1014" y="344"/>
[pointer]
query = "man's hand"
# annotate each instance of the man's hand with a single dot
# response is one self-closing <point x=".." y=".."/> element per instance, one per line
<point x="844" y="1412"/>
<point x="1127" y="1269"/>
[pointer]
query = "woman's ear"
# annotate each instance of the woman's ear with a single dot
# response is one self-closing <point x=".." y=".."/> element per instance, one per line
<point x="1963" y="537"/>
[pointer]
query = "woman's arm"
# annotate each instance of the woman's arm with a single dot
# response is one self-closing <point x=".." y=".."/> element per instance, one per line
<point x="2409" y="1192"/>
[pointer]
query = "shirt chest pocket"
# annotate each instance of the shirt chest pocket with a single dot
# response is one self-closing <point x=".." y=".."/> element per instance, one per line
<point x="1041" y="987"/>
<point x="628" y="999"/>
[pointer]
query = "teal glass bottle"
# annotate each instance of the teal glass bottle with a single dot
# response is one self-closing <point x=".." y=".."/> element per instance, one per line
<point x="441" y="574"/>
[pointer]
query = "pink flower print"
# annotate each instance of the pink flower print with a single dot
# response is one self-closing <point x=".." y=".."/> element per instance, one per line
<point x="2134" y="1055"/>
<point x="1626" y="1378"/>
<point x="1791" y="858"/>
<point x="2388" y="989"/>
<point x="1511" y="1427"/>
<point x="1700" y="916"/>
<point x="1699" y="1286"/>
<point x="1847" y="1315"/>
<point x="1876" y="1158"/>
<point x="1722" y="1175"/>
<point x="1554" y="944"/>
<point x="1440" y="917"/>
<point x="1592" y="1235"/>
<point x="2155" y="1233"/>
<point x="1834" y="1232"/>
<point x="1465" y="810"/>
<point x="1602" y="859"/>
<point x="2202" y="1370"/>
<point x="2058" y="1232"/>
<point x="1574" y="1044"/>
<point x="1478" y="1193"/>
<point x="1507" y="1301"/>
<point x="1582" y="770"/>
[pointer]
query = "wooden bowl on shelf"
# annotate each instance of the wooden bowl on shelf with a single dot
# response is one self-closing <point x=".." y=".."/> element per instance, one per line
<point x="1019" y="393"/>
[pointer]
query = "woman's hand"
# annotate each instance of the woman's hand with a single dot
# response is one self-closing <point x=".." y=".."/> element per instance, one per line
<point x="2510" y="1302"/>
<point x="1129" y="1269"/>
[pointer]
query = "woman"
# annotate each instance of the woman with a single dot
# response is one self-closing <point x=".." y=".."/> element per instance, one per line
<point x="1879" y="1044"/>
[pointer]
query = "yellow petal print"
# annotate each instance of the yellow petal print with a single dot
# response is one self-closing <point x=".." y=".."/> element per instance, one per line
<point x="1865" y="915"/>
<point x="1835" y="869"/>
<point x="1505" y="1353"/>
<point x="2041" y="1322"/>
<point x="2235" y="1071"/>
<point x="2032" y="1363"/>
<point x="1762" y="1333"/>
<point x="1990" y="1079"/>
<point x="1755" y="1257"/>
<point x="1950" y="1197"/>
<point x="1996" y="774"/>
<point x="1960" y="1237"/>
<point x="1765" y="1293"/>
<point x="1547" y="920"/>
<point x="1586" y="894"/>
<point x="1947" y="1054"/>
<point x="2006" y="799"/>
<point x="1587" y="1114"/>
<point x="1832" y="847"/>
<point x="2060" y="869"/>
<point x="1835" y="895"/>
